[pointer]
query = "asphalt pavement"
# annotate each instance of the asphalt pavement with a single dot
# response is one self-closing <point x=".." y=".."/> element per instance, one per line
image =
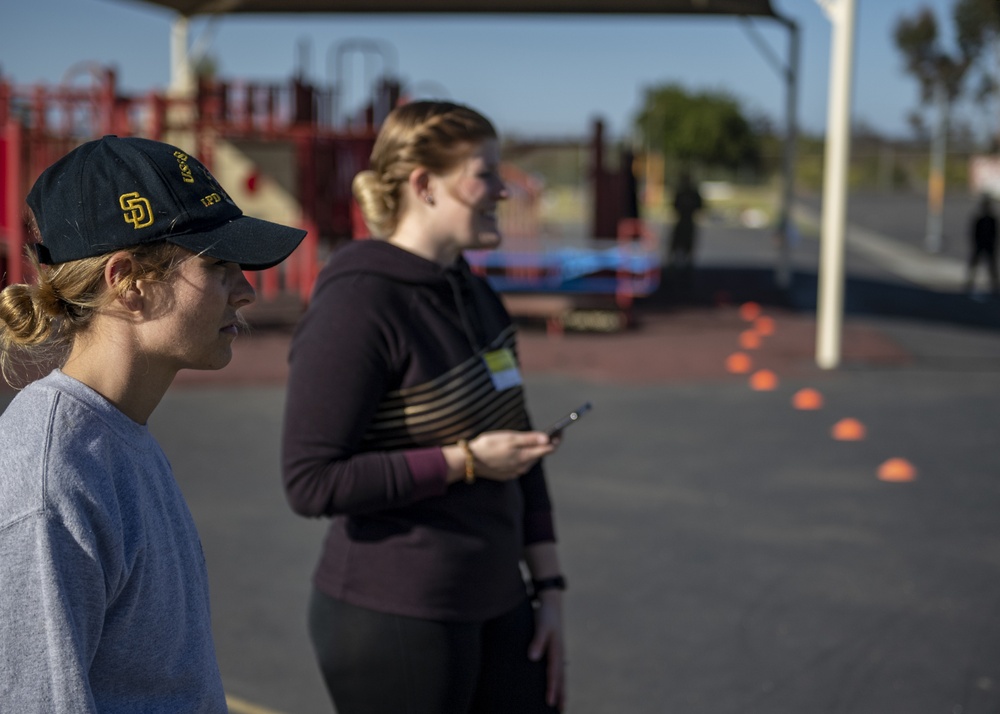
<point x="725" y="553"/>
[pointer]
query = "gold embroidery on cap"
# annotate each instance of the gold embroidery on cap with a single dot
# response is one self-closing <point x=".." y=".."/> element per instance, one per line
<point x="137" y="210"/>
<point x="211" y="198"/>
<point x="182" y="164"/>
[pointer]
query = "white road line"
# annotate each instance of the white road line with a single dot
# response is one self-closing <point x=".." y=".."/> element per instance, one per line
<point x="936" y="272"/>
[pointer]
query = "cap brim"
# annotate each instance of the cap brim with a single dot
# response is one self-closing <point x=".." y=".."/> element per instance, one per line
<point x="253" y="243"/>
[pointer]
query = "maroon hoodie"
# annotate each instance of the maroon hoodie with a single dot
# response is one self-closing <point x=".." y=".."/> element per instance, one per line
<point x="387" y="366"/>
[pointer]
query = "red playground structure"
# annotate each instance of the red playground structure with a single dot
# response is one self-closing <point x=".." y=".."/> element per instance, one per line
<point x="283" y="155"/>
<point x="271" y="146"/>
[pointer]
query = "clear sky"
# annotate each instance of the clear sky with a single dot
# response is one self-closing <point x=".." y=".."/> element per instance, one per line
<point x="535" y="76"/>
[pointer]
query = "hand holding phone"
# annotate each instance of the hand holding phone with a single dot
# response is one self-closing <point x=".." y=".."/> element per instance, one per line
<point x="557" y="427"/>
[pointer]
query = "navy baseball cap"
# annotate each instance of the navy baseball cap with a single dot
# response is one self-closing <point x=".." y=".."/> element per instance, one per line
<point x="115" y="193"/>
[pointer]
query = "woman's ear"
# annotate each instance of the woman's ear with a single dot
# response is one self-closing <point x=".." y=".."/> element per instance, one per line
<point x="420" y="185"/>
<point x="120" y="278"/>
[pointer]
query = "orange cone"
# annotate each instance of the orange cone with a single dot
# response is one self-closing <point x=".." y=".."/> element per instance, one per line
<point x="807" y="400"/>
<point x="764" y="325"/>
<point x="897" y="471"/>
<point x="738" y="363"/>
<point x="848" y="430"/>
<point x="749" y="340"/>
<point x="763" y="380"/>
<point x="749" y="311"/>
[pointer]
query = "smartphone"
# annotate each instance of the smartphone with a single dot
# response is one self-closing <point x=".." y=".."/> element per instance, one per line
<point x="556" y="429"/>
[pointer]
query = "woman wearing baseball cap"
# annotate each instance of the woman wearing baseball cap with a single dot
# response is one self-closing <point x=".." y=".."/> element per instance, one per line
<point x="140" y="265"/>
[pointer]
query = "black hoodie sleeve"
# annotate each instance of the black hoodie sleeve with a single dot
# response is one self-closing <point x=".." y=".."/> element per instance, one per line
<point x="339" y="364"/>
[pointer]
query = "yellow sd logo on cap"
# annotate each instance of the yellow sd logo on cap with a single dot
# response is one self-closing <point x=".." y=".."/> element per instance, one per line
<point x="137" y="209"/>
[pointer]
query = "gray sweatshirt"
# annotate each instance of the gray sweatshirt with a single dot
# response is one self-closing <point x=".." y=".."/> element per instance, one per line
<point x="103" y="588"/>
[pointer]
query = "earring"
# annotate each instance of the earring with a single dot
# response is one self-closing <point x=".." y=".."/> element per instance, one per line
<point x="429" y="199"/>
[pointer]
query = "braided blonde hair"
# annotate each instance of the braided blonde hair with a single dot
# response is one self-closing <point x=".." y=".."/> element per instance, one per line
<point x="39" y="321"/>
<point x="431" y="134"/>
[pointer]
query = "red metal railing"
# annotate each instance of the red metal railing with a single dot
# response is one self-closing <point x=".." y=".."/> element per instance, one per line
<point x="39" y="124"/>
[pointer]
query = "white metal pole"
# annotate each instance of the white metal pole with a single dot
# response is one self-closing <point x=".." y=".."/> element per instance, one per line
<point x="936" y="180"/>
<point x="181" y="73"/>
<point x="830" y="308"/>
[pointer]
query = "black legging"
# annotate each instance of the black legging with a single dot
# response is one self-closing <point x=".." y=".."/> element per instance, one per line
<point x="374" y="663"/>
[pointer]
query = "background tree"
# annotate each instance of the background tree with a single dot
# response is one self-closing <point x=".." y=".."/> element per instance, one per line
<point x="941" y="74"/>
<point x="702" y="128"/>
<point x="977" y="24"/>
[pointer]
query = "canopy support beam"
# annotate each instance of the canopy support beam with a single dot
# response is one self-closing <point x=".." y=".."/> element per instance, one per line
<point x="830" y="299"/>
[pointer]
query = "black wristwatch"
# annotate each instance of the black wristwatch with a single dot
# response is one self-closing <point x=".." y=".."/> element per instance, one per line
<point x="556" y="582"/>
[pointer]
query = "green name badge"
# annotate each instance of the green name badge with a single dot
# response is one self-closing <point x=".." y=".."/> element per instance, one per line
<point x="503" y="369"/>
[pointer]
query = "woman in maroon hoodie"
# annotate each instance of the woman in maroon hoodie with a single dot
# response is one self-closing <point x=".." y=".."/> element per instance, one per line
<point x="405" y="423"/>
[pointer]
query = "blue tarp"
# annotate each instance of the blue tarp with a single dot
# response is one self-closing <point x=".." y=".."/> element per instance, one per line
<point x="570" y="270"/>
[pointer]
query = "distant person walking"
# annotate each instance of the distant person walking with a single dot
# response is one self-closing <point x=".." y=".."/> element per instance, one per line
<point x="687" y="203"/>
<point x="983" y="232"/>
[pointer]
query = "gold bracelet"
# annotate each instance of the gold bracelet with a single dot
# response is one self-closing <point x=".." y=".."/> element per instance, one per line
<point x="470" y="461"/>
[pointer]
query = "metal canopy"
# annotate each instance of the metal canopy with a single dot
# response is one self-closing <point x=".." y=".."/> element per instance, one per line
<point x="190" y="8"/>
<point x="757" y="8"/>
